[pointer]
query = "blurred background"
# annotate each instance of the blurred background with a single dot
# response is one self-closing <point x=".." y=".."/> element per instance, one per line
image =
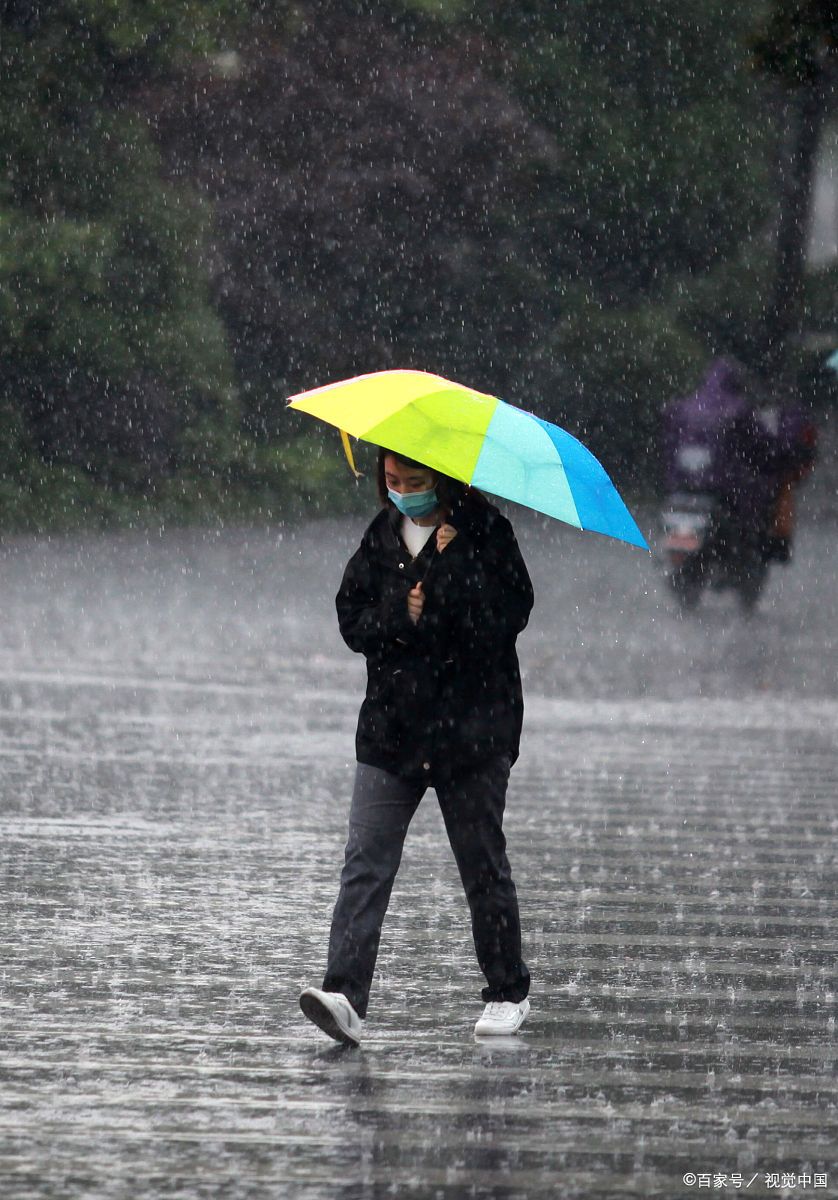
<point x="575" y="205"/>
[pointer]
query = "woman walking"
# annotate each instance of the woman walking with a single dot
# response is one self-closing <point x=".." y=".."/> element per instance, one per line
<point x="434" y="598"/>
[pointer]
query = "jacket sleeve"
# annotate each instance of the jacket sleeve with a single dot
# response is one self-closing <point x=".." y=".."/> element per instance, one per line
<point x="369" y="624"/>
<point x="480" y="593"/>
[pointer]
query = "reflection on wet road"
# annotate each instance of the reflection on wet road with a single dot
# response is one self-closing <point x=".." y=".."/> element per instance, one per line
<point x="176" y="721"/>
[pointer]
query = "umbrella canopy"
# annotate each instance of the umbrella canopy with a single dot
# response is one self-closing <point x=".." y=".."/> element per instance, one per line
<point x="479" y="440"/>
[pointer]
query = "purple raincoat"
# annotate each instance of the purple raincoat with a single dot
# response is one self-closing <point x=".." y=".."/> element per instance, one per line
<point x="723" y="440"/>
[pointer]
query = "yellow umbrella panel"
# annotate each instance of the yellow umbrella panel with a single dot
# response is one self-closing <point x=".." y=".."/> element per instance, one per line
<point x="478" y="439"/>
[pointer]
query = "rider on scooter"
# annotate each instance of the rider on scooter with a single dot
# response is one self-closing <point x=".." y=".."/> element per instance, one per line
<point x="727" y="440"/>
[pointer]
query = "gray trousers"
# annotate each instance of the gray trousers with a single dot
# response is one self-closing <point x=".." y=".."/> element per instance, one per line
<point x="472" y="805"/>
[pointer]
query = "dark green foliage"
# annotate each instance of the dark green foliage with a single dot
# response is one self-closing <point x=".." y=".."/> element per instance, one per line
<point x="796" y="45"/>
<point x="795" y="39"/>
<point x="205" y="207"/>
<point x="666" y="136"/>
<point x="115" y="368"/>
<point x="660" y="120"/>
<point x="384" y="209"/>
<point x="512" y="197"/>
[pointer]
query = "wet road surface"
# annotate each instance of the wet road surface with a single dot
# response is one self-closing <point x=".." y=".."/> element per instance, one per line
<point x="176" y="722"/>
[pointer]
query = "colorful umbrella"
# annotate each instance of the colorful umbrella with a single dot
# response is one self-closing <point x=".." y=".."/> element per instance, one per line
<point x="478" y="439"/>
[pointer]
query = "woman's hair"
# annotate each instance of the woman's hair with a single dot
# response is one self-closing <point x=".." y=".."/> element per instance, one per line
<point x="451" y="492"/>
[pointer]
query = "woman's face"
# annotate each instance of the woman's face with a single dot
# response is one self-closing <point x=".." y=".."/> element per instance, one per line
<point x="401" y="478"/>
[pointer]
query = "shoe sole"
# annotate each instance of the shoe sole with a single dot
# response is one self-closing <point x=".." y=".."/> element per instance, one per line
<point x="507" y="1032"/>
<point x="322" y="1016"/>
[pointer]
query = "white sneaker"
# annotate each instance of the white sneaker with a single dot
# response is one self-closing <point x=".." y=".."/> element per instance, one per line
<point x="333" y="1013"/>
<point x="502" y="1017"/>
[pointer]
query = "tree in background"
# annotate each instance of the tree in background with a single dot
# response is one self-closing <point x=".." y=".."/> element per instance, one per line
<point x="114" y="370"/>
<point x="666" y="147"/>
<point x="797" y="46"/>
<point x="761" y="303"/>
<point x="660" y="119"/>
<point x="553" y="201"/>
<point x="380" y="202"/>
<point x="512" y="194"/>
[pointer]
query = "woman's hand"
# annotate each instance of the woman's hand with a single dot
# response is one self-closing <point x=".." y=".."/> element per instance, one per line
<point x="444" y="535"/>
<point x="415" y="602"/>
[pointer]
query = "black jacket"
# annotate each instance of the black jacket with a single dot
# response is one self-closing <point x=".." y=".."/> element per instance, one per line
<point x="446" y="692"/>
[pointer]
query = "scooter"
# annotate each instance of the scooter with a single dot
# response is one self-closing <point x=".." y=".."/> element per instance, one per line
<point x="705" y="546"/>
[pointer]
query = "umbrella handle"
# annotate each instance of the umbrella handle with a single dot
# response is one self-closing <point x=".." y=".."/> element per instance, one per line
<point x="434" y="554"/>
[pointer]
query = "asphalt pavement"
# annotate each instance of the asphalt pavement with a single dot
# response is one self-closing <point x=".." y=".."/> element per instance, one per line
<point x="176" y="721"/>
